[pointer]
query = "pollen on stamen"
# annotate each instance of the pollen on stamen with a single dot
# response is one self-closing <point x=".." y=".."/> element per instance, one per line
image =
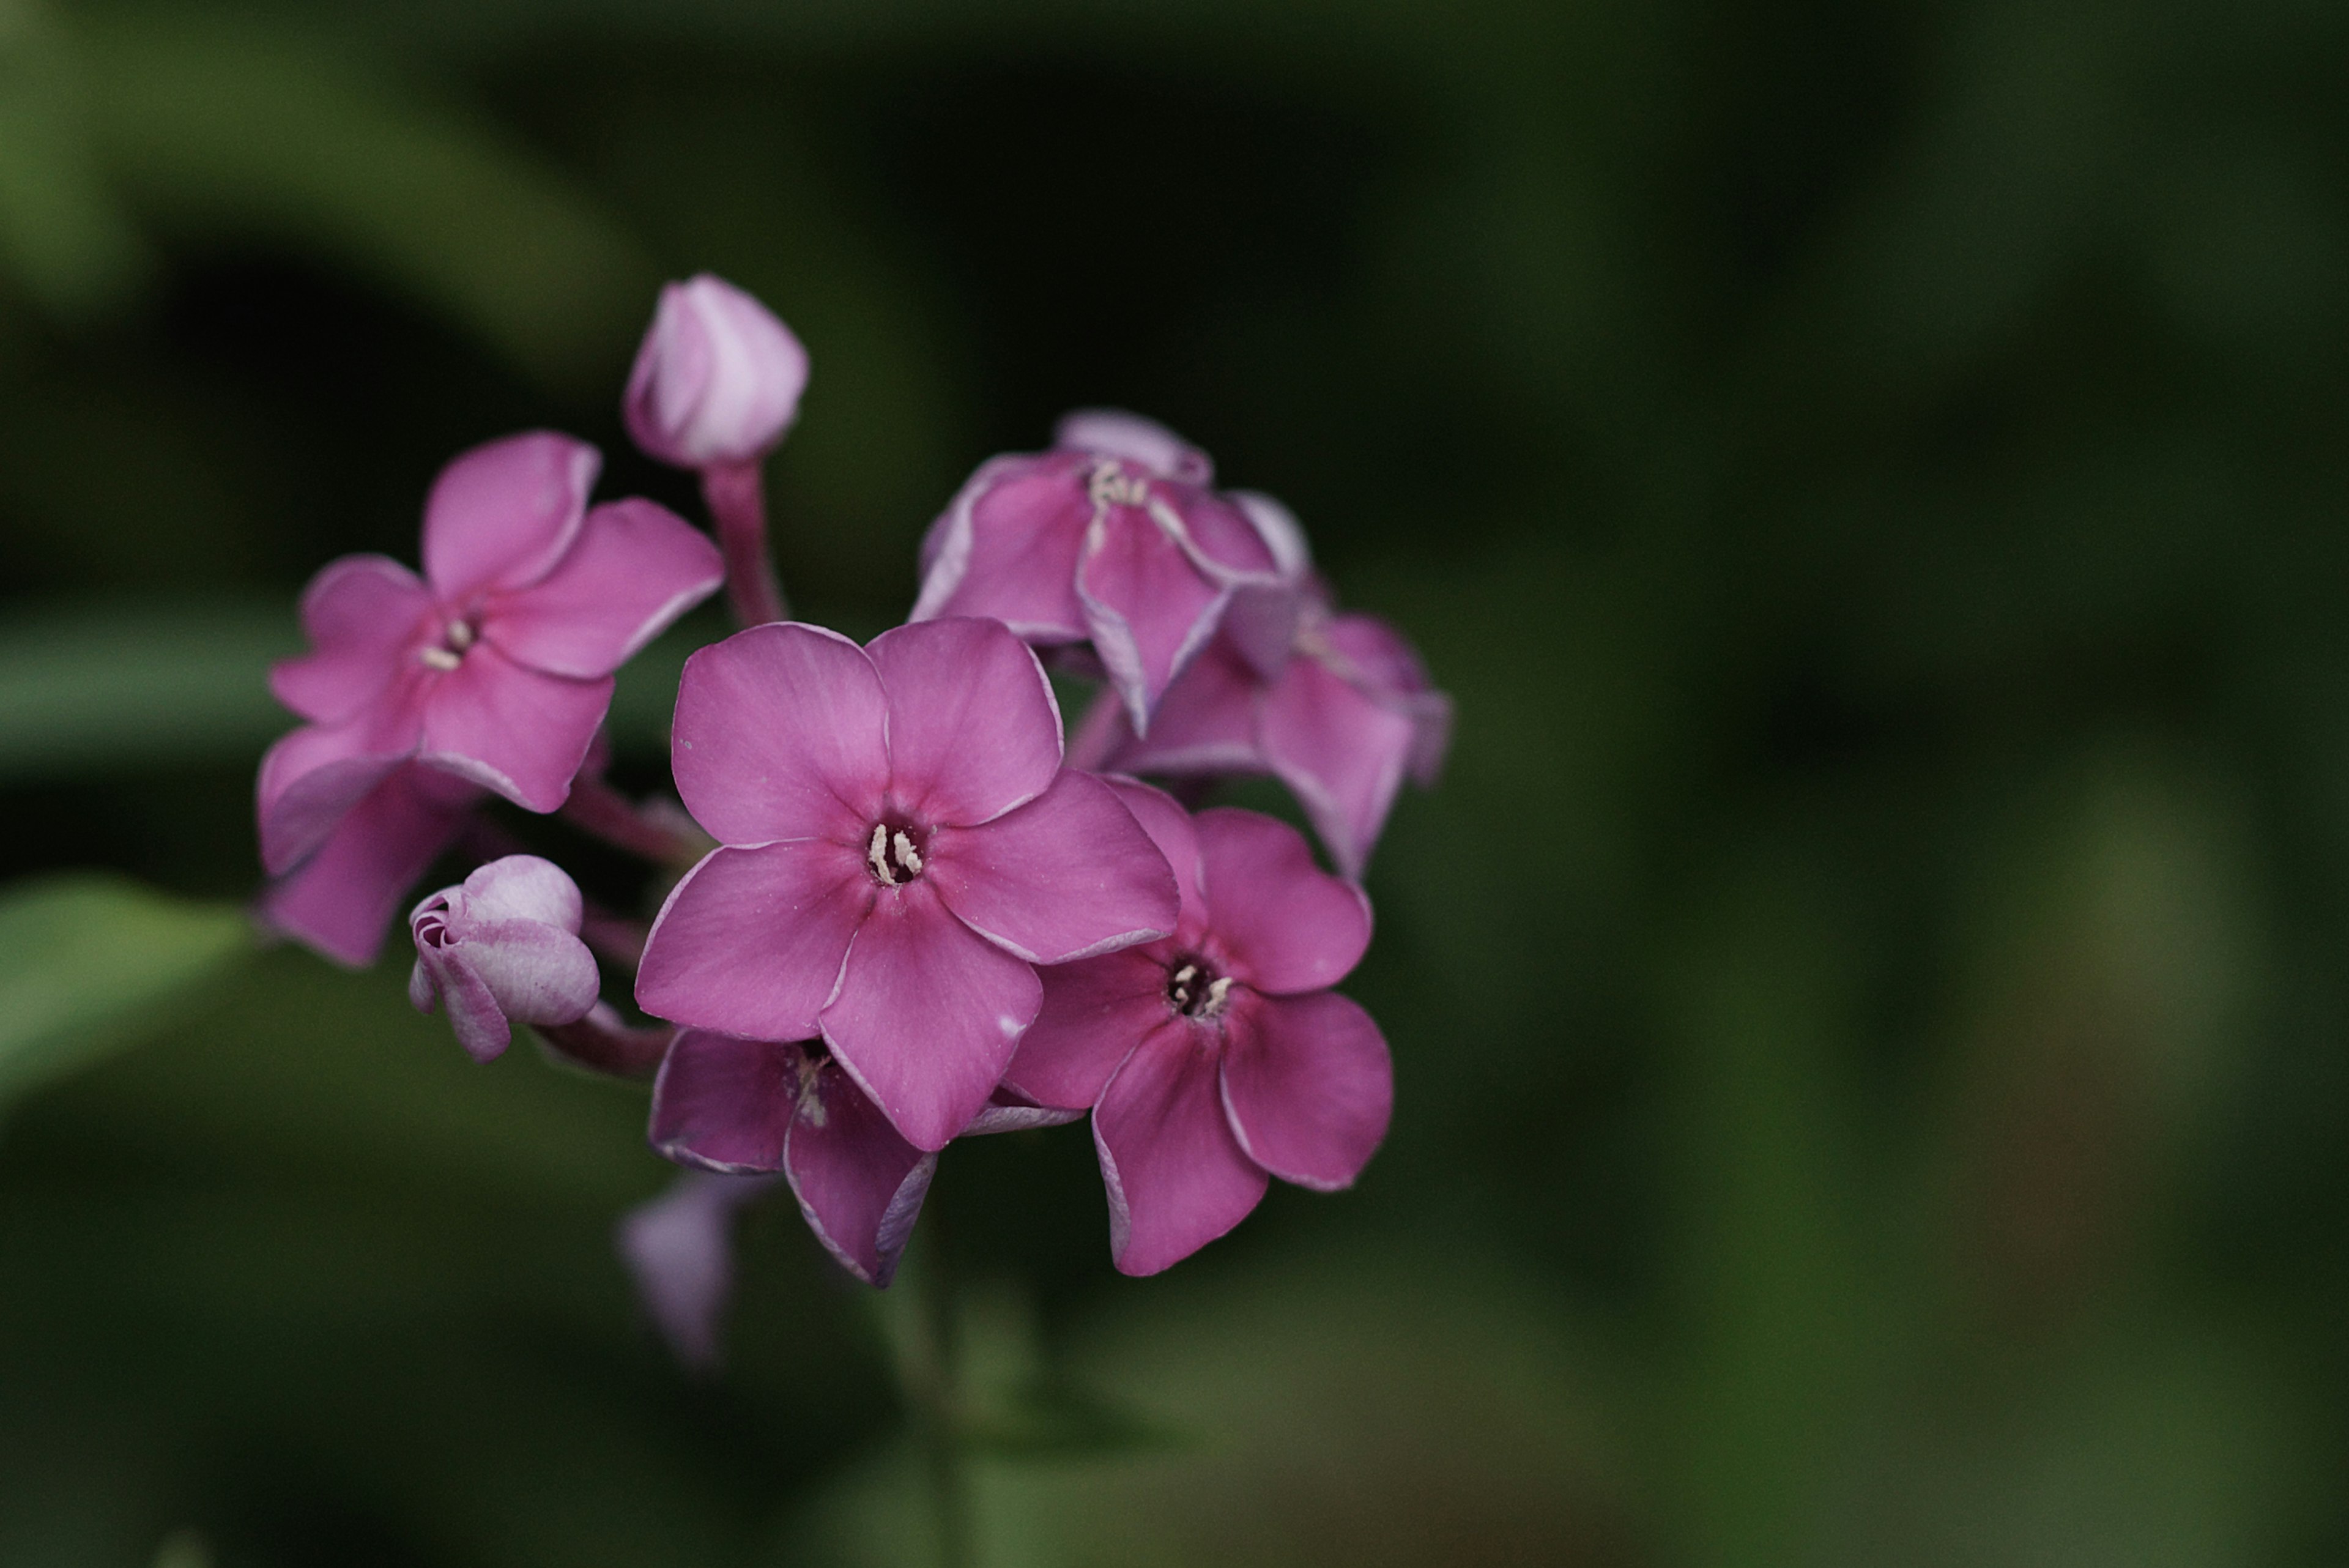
<point x="461" y="635"/>
<point x="876" y="855"/>
<point x="907" y="856"/>
<point x="440" y="657"/>
<point x="1217" y="990"/>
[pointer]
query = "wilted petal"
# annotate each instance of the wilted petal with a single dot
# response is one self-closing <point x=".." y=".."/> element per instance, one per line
<point x="1286" y="924"/>
<point x="634" y="569"/>
<point x="974" y="730"/>
<point x="503" y="513"/>
<point x="1178" y="1178"/>
<point x="1146" y="605"/>
<point x="752" y="941"/>
<point x="725" y="1103"/>
<point x="1113" y="433"/>
<point x="1309" y="1085"/>
<point x="341" y="901"/>
<point x="679" y="1249"/>
<point x="1007" y="549"/>
<point x="362" y="614"/>
<point x="510" y="728"/>
<point x="1067" y="876"/>
<point x="1095" y="1012"/>
<point x="781" y="734"/>
<point x="1340" y="751"/>
<point x="859" y="1184"/>
<point x="927" y="1015"/>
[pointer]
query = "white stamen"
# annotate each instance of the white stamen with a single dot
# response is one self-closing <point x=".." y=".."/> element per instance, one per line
<point x="876" y="855"/>
<point x="907" y="856"/>
<point x="1112" y="486"/>
<point x="440" y="658"/>
<point x="1216" y="992"/>
<point x="461" y="635"/>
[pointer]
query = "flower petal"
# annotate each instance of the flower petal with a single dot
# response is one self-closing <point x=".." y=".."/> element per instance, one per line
<point x="518" y="887"/>
<point x="1178" y="1178"/>
<point x="752" y="941"/>
<point x="475" y="1016"/>
<point x="724" y="1104"/>
<point x="1340" y="751"/>
<point x="1284" y="924"/>
<point x="1206" y="721"/>
<point x="501" y="514"/>
<point x="928" y="1014"/>
<point x="1067" y="876"/>
<point x="1113" y="433"/>
<point x="859" y="1184"/>
<point x="679" y="1249"/>
<point x="1007" y="549"/>
<point x="634" y="569"/>
<point x="1147" y="605"/>
<point x="342" y="899"/>
<point x="1095" y="1012"/>
<point x="974" y="730"/>
<point x="511" y="728"/>
<point x="361" y="614"/>
<point x="538" y="974"/>
<point x="1169" y="827"/>
<point x="311" y="779"/>
<point x="1309" y="1085"/>
<point x="781" y="732"/>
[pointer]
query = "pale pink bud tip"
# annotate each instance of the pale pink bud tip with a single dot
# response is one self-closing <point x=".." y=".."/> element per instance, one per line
<point x="500" y="948"/>
<point x="719" y="379"/>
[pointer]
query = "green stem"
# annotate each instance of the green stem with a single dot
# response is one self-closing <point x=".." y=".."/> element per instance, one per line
<point x="929" y="1371"/>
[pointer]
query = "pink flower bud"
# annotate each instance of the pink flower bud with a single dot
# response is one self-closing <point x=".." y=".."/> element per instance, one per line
<point x="719" y="379"/>
<point x="503" y="948"/>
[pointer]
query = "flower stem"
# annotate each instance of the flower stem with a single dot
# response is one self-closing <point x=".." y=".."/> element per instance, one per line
<point x="597" y="809"/>
<point x="736" y="494"/>
<point x="928" y="1371"/>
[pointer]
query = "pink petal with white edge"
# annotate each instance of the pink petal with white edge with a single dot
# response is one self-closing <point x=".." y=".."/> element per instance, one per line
<point x="724" y="1104"/>
<point x="1206" y="721"/>
<point x="1284" y="924"/>
<point x="502" y="515"/>
<point x="974" y="730"/>
<point x="1067" y="876"/>
<point x="363" y="614"/>
<point x="1223" y="538"/>
<point x="1095" y="1012"/>
<point x="1007" y="549"/>
<point x="1147" y="605"/>
<point x="1169" y="827"/>
<point x="751" y="941"/>
<point x="313" y="777"/>
<point x="1309" y="1085"/>
<point x="928" y="1014"/>
<point x="1375" y="656"/>
<point x="1340" y="751"/>
<point x="510" y="728"/>
<point x="633" y="569"/>
<point x="1178" y="1178"/>
<point x="860" y="1185"/>
<point x="342" y="899"/>
<point x="781" y="732"/>
<point x="1113" y="433"/>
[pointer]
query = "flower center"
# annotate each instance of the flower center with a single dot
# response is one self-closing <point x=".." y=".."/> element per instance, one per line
<point x="449" y="651"/>
<point x="895" y="852"/>
<point x="1196" y="991"/>
<point x="1111" y="485"/>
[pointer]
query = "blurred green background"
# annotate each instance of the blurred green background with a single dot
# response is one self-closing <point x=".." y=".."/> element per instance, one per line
<point x="1868" y="999"/>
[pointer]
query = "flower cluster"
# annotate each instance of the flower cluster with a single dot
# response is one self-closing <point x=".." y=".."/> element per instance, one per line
<point x="906" y="909"/>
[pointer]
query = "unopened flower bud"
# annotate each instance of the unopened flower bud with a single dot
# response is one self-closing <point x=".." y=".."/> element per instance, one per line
<point x="503" y="948"/>
<point x="717" y="381"/>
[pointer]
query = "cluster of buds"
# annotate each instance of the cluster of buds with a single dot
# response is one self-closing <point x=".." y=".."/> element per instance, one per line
<point x="911" y="909"/>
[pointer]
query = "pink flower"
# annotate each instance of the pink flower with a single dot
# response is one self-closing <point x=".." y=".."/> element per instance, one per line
<point x="1341" y="720"/>
<point x="497" y="664"/>
<point x="340" y="902"/>
<point x="1113" y="538"/>
<point x="899" y="846"/>
<point x="503" y="948"/>
<point x="1219" y="1055"/>
<point x="719" y="377"/>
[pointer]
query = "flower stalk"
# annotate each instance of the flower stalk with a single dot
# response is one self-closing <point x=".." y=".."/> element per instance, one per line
<point x="736" y="498"/>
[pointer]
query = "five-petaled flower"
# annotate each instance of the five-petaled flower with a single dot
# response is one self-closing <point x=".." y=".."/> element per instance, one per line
<point x="1219" y="1054"/>
<point x="503" y="948"/>
<point x="899" y="847"/>
<point x="496" y="665"/>
<point x="1115" y="539"/>
<point x="1341" y="719"/>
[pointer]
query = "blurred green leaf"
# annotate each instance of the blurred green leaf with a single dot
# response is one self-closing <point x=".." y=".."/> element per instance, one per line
<point x="86" y="959"/>
<point x="64" y="232"/>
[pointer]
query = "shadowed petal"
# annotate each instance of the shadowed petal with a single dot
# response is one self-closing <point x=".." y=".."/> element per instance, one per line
<point x="781" y="734"/>
<point x="1095" y="1012"/>
<point x="927" y="1015"/>
<point x="1340" y="751"/>
<point x="1007" y="549"/>
<point x="512" y="729"/>
<point x="1309" y="1085"/>
<point x="501" y="514"/>
<point x="1286" y="924"/>
<point x="752" y="941"/>
<point x="342" y="899"/>
<point x="860" y="1185"/>
<point x="634" y="567"/>
<point x="361" y="614"/>
<point x="1003" y="1115"/>
<point x="725" y="1103"/>
<point x="1206" y="721"/>
<point x="1146" y="605"/>
<point x="1176" y="1177"/>
<point x="974" y="730"/>
<point x="313" y="777"/>
<point x="679" y="1249"/>
<point x="1067" y="876"/>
